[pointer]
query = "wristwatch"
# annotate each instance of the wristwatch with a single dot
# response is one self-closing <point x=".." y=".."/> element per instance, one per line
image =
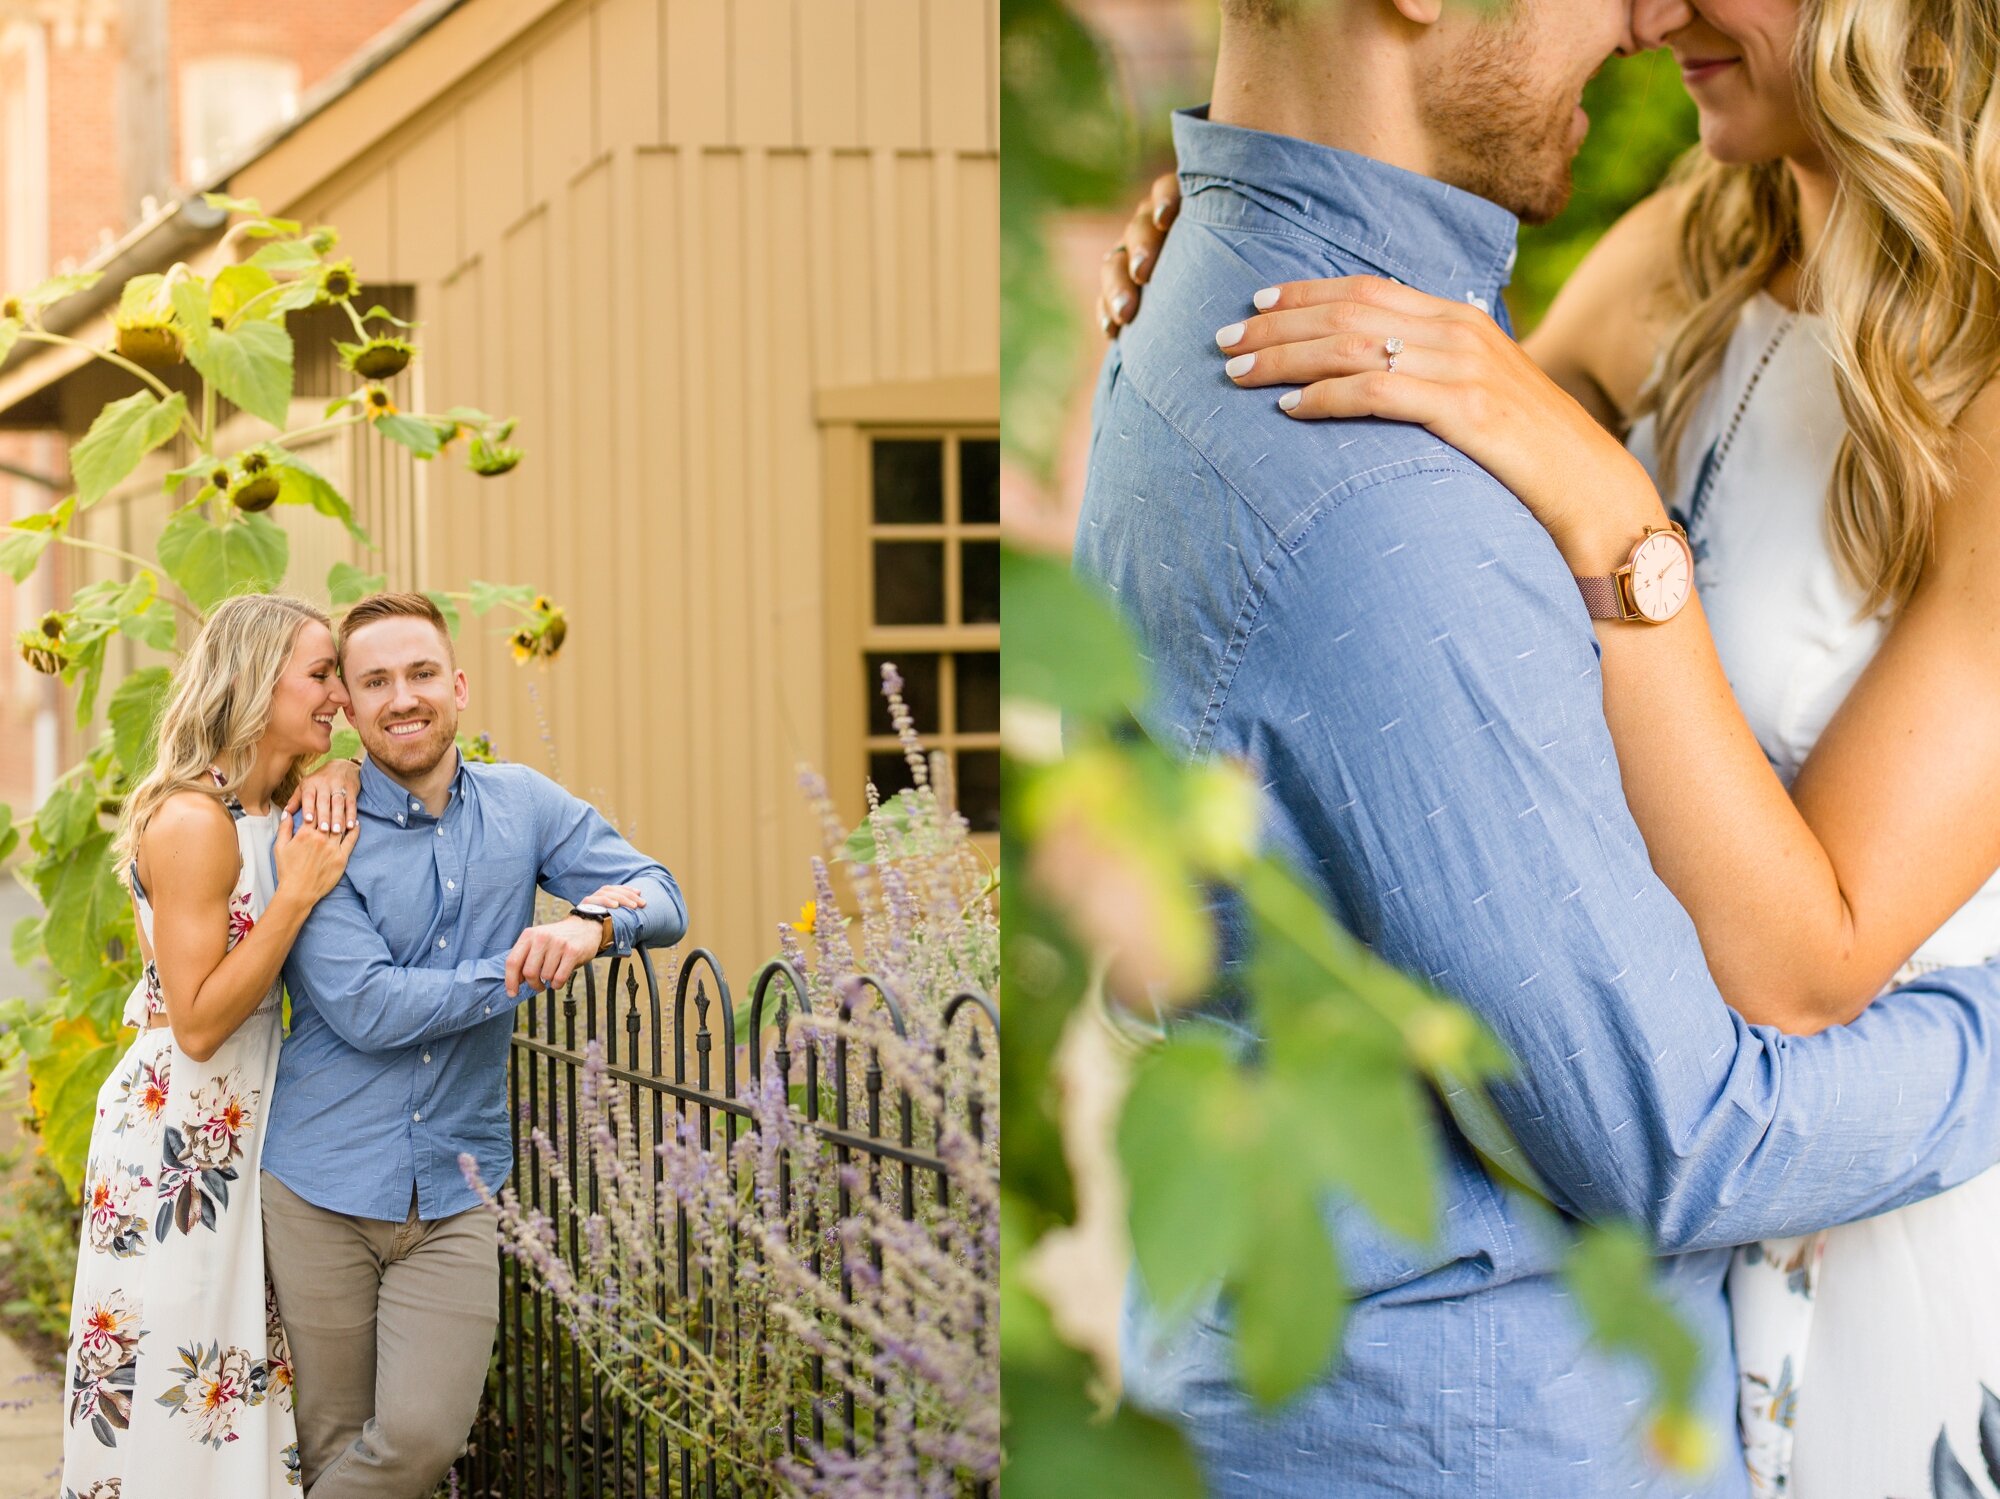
<point x="1652" y="586"/>
<point x="601" y="915"/>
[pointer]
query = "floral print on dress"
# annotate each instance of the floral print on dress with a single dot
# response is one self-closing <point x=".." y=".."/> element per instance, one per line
<point x="1771" y="1289"/>
<point x="212" y="1387"/>
<point x="1949" y="1480"/>
<point x="104" y="1488"/>
<point x="104" y="1355"/>
<point x="240" y="919"/>
<point x="110" y="1223"/>
<point x="142" y="1098"/>
<point x="199" y="1152"/>
<point x="279" y="1359"/>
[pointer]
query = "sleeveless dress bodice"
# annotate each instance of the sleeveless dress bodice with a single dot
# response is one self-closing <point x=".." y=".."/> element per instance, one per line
<point x="1863" y="1352"/>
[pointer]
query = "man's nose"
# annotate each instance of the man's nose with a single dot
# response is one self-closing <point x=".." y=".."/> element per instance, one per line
<point x="1653" y="21"/>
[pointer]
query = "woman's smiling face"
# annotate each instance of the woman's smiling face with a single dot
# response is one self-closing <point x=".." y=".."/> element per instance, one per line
<point x="308" y="695"/>
<point x="1735" y="57"/>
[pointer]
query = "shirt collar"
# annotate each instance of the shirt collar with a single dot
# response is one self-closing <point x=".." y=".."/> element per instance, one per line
<point x="382" y="797"/>
<point x="1422" y="232"/>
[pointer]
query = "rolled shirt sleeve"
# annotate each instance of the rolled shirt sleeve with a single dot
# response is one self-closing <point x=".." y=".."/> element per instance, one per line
<point x="582" y="852"/>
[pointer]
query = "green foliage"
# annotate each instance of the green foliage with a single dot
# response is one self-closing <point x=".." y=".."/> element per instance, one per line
<point x="212" y="563"/>
<point x="132" y="712"/>
<point x="64" y="1073"/>
<point x="420" y="437"/>
<point x="1067" y="144"/>
<point x="1058" y="1440"/>
<point x="215" y="545"/>
<point x="1065" y="647"/>
<point x="124" y="432"/>
<point x="1641" y="121"/>
<point x="348" y="584"/>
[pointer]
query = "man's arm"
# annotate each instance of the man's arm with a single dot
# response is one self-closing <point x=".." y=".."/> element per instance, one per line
<point x="1424" y="685"/>
<point x="341" y="964"/>
<point x="581" y="851"/>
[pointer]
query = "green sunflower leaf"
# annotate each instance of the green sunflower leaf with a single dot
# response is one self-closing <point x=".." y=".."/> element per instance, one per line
<point x="420" y="438"/>
<point x="251" y="365"/>
<point x="346" y="583"/>
<point x="124" y="432"/>
<point x="213" y="562"/>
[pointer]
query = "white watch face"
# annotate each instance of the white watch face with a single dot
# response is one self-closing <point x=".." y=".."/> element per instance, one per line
<point x="1662" y="576"/>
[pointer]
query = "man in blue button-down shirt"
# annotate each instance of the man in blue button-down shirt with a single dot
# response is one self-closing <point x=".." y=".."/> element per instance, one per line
<point x="1369" y="619"/>
<point x="403" y="985"/>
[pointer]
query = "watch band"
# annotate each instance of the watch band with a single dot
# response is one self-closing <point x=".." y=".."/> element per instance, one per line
<point x="1600" y="597"/>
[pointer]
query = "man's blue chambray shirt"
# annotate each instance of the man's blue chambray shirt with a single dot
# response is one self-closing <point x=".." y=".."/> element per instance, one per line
<point x="1392" y="641"/>
<point x="397" y="1056"/>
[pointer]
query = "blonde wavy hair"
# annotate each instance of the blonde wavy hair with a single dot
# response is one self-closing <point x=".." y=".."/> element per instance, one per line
<point x="1901" y="97"/>
<point x="219" y="706"/>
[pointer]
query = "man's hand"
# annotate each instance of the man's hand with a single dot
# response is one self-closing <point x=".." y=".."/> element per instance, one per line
<point x="543" y="957"/>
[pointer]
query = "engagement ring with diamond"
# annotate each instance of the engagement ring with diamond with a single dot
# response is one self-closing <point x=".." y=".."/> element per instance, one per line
<point x="1394" y="346"/>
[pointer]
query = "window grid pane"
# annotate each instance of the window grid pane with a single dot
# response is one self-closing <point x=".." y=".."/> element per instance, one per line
<point x="924" y="560"/>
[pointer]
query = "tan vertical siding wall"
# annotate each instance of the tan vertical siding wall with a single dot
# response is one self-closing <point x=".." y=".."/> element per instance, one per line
<point x="654" y="230"/>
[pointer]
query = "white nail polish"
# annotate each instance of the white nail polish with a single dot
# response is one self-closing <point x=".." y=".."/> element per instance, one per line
<point x="1120" y="302"/>
<point x="1224" y="337"/>
<point x="1266" y="299"/>
<point x="1289" y="399"/>
<point x="1139" y="258"/>
<point x="1240" y="365"/>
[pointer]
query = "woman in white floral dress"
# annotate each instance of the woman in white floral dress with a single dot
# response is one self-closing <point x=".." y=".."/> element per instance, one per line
<point x="178" y="1382"/>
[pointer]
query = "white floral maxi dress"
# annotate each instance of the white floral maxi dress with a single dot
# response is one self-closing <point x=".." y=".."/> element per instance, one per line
<point x="178" y="1381"/>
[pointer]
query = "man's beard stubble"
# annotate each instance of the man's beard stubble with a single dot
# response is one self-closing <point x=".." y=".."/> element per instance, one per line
<point x="1497" y="136"/>
<point x="412" y="757"/>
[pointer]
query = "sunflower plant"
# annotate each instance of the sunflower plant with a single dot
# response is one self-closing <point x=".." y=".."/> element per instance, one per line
<point x="186" y="342"/>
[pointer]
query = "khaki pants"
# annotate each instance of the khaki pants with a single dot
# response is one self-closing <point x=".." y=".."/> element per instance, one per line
<point x="391" y="1328"/>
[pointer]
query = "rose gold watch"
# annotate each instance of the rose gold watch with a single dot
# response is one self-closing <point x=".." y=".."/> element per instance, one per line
<point x="1652" y="586"/>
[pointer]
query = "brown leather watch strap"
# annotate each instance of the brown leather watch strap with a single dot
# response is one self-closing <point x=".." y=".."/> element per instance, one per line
<point x="1600" y="597"/>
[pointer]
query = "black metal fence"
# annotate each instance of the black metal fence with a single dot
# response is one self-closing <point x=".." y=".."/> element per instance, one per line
<point x="552" y="1426"/>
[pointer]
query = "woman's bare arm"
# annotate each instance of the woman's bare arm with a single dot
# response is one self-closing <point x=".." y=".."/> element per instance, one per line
<point x="189" y="862"/>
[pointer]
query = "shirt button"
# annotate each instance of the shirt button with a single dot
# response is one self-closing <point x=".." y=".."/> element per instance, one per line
<point x="416" y="806"/>
<point x="399" y="817"/>
<point x="427" y="1058"/>
<point x="418" y="1118"/>
<point x="440" y="830"/>
<point x="451" y="884"/>
<point x="440" y="942"/>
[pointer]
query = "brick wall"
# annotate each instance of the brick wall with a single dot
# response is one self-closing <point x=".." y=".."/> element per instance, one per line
<point x="83" y="84"/>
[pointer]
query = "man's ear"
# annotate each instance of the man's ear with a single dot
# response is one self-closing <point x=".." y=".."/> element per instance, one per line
<point x="1420" y="12"/>
<point x="461" y="692"/>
